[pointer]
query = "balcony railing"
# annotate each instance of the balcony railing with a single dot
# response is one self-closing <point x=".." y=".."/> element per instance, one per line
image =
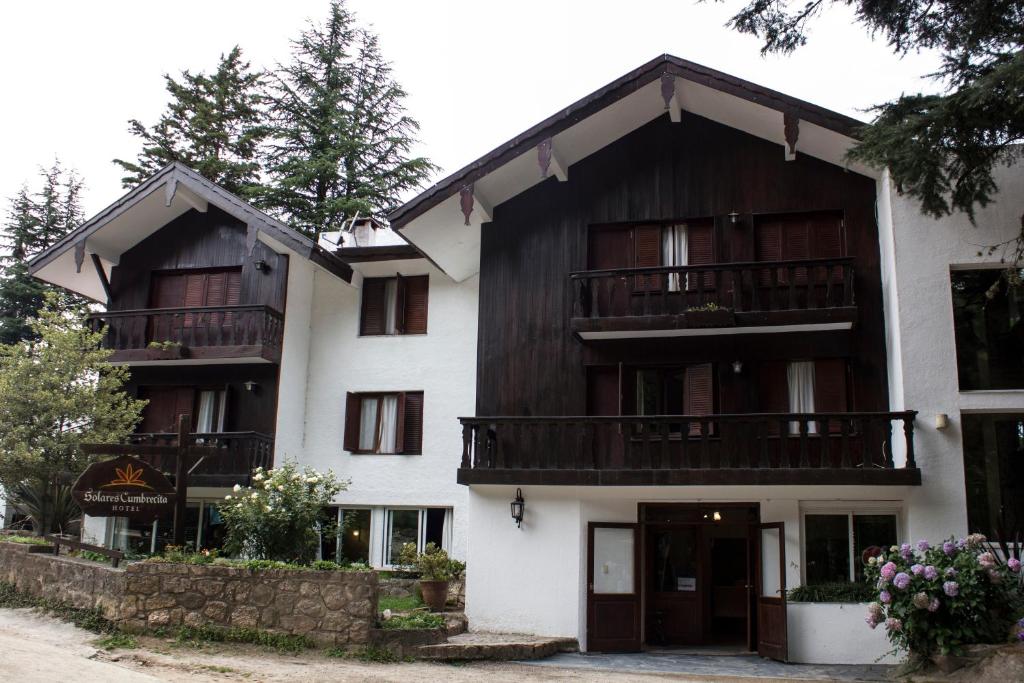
<point x="718" y="295"/>
<point x="199" y="333"/>
<point x="241" y="453"/>
<point x="763" y="448"/>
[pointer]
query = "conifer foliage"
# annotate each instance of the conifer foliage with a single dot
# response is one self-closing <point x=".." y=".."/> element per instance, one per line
<point x="214" y="124"/>
<point x="35" y="221"/>
<point x="340" y="138"/>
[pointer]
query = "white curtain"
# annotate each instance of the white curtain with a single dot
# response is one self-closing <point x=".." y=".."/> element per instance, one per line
<point x="206" y="419"/>
<point x="674" y="252"/>
<point x="390" y="306"/>
<point x="388" y="424"/>
<point x="368" y="425"/>
<point x="119" y="533"/>
<point x="800" y="376"/>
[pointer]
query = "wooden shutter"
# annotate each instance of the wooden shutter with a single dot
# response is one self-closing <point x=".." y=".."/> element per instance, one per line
<point x="772" y="390"/>
<point x="415" y="303"/>
<point x="603" y="390"/>
<point x="374" y="310"/>
<point x="232" y="293"/>
<point x="830" y="388"/>
<point x="796" y="245"/>
<point x="768" y="247"/>
<point x="412" y="432"/>
<point x="827" y="237"/>
<point x="166" y="403"/>
<point x="698" y="398"/>
<point x="195" y="295"/>
<point x="353" y="405"/>
<point x="700" y="247"/>
<point x="647" y="254"/>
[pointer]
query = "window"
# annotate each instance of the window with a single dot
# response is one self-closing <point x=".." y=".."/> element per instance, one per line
<point x="796" y="237"/>
<point x="835" y="544"/>
<point x="208" y="408"/>
<point x="349" y="541"/>
<point x="394" y="305"/>
<point x="803" y="387"/>
<point x="417" y="526"/>
<point x="194" y="289"/>
<point x="989" y="330"/>
<point x="687" y="390"/>
<point x="994" y="474"/>
<point x="673" y="245"/>
<point x="384" y="422"/>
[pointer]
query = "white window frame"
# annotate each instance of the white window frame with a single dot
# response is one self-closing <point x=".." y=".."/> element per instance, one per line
<point x="850" y="509"/>
<point x="421" y="530"/>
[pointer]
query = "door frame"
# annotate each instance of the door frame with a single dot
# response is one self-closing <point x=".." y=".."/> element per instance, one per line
<point x="771" y="643"/>
<point x="635" y="643"/>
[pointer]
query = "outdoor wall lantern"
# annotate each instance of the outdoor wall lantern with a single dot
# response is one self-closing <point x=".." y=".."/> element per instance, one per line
<point x="737" y="366"/>
<point x="251" y="386"/>
<point x="941" y="421"/>
<point x="261" y="265"/>
<point x="734" y="217"/>
<point x="518" y="507"/>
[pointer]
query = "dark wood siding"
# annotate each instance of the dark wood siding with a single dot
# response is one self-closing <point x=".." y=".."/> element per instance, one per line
<point x="529" y="363"/>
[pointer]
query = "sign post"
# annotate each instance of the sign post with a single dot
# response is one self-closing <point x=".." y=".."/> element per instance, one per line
<point x="106" y="488"/>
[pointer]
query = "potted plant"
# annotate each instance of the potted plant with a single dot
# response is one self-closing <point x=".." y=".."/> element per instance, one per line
<point x="165" y="350"/>
<point x="436" y="571"/>
<point x="709" y="315"/>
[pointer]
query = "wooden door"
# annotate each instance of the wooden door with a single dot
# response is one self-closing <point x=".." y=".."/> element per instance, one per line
<point x="609" y="248"/>
<point x="165" y="405"/>
<point x="613" y="587"/>
<point x="676" y="584"/>
<point x="772" y="638"/>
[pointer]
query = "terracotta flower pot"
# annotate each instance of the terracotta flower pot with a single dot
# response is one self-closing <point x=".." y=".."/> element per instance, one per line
<point x="435" y="594"/>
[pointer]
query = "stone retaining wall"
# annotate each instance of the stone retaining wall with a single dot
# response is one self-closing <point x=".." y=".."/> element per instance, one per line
<point x="332" y="608"/>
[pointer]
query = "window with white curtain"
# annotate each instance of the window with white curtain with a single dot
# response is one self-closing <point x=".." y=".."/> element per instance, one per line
<point x="674" y="252"/>
<point x="378" y="424"/>
<point x="800" y="377"/>
<point x="210" y="411"/>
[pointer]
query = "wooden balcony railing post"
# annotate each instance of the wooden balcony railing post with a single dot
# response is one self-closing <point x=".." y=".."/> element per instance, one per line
<point x="844" y="434"/>
<point x="804" y="427"/>
<point x="467" y="441"/>
<point x="908" y="434"/>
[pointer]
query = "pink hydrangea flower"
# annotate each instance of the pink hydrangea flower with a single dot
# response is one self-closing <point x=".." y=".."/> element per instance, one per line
<point x="873" y="623"/>
<point x="931" y="573"/>
<point x="888" y="571"/>
<point x="950" y="571"/>
<point x="948" y="547"/>
<point x="894" y="624"/>
<point x="987" y="560"/>
<point x="885" y="597"/>
<point x="917" y="570"/>
<point x="901" y="581"/>
<point x="1014" y="564"/>
<point x="923" y="546"/>
<point x="951" y="588"/>
<point x="906" y="551"/>
<point x="933" y="605"/>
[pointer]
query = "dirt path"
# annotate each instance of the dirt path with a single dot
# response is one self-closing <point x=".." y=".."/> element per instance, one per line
<point x="36" y="648"/>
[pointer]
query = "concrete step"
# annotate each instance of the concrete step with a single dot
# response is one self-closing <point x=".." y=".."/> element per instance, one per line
<point x="495" y="646"/>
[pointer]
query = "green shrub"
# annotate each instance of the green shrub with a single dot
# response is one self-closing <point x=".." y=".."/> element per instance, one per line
<point x="937" y="600"/>
<point x="433" y="564"/>
<point x="370" y="653"/>
<point x="840" y="591"/>
<point x="88" y="619"/>
<point x="281" y="642"/>
<point x="117" y="641"/>
<point x="412" y="621"/>
<point x="280" y="517"/>
<point x="176" y="555"/>
<point x="25" y="540"/>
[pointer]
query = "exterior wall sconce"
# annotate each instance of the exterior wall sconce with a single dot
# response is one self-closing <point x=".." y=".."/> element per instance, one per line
<point x="251" y="386"/>
<point x="734" y="217"/>
<point x="737" y="366"/>
<point x="261" y="265"/>
<point x="518" y="507"/>
<point x="942" y="421"/>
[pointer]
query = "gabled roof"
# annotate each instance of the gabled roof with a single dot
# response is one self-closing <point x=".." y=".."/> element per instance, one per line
<point x="665" y="84"/>
<point x="158" y="200"/>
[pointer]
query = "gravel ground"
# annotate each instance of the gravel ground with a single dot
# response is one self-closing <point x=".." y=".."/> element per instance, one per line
<point x="36" y="648"/>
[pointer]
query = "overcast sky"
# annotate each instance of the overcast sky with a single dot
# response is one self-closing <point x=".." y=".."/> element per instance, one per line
<point x="477" y="71"/>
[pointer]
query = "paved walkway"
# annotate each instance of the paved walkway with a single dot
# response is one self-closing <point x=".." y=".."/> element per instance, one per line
<point x="704" y="667"/>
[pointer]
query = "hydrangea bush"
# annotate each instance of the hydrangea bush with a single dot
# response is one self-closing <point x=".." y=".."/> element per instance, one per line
<point x="278" y="517"/>
<point x="937" y="599"/>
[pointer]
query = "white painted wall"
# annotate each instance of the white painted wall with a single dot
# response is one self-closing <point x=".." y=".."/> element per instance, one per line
<point x="325" y="356"/>
<point x="533" y="579"/>
<point x="922" y="350"/>
<point x="835" y="633"/>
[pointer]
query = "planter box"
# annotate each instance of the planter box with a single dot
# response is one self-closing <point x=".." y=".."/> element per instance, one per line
<point x="172" y="353"/>
<point x="720" y="318"/>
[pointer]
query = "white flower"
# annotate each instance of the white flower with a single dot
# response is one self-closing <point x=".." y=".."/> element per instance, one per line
<point x="296" y="477"/>
<point x="258" y="476"/>
<point x="267" y="508"/>
<point x="312" y="480"/>
<point x="254" y="496"/>
<point x="236" y="488"/>
<point x="280" y="488"/>
<point x="228" y="497"/>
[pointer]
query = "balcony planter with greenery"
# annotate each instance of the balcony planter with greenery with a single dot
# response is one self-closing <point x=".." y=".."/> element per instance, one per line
<point x="436" y="572"/>
<point x="166" y="350"/>
<point x="709" y="315"/>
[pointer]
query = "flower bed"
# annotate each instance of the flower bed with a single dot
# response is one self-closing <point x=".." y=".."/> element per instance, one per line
<point x="935" y="601"/>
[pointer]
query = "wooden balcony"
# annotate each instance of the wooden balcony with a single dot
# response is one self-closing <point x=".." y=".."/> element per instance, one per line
<point x="753" y="449"/>
<point x="723" y="298"/>
<point x="192" y="335"/>
<point x="242" y="452"/>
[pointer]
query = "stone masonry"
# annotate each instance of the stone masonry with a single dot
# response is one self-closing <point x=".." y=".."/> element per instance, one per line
<point x="333" y="608"/>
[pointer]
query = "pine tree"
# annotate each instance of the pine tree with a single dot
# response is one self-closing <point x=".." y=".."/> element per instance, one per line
<point x="214" y="124"/>
<point x="341" y="139"/>
<point x="35" y="221"/>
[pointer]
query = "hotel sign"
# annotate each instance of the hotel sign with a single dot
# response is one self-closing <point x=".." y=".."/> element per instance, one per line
<point x="124" y="487"/>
